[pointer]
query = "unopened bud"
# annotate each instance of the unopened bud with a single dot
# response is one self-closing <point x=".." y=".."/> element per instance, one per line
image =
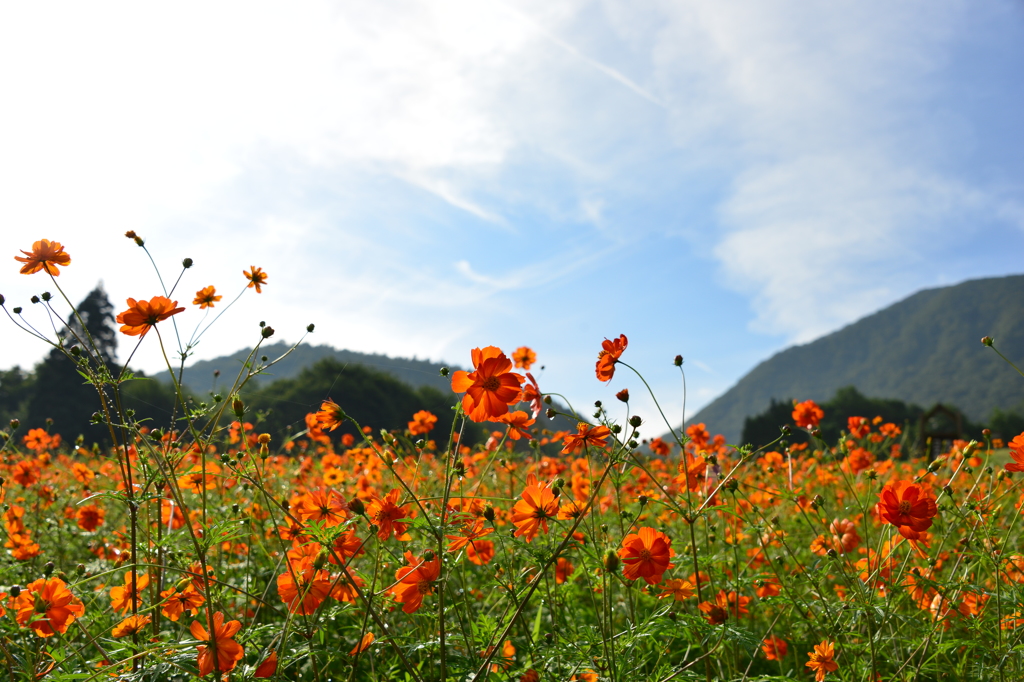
<point x="489" y="514"/>
<point x="635" y="421"/>
<point x="986" y="341"/>
<point x="34" y="299"/>
<point x="15" y="423"/>
<point x="48" y="568"/>
<point x="550" y="413"/>
<point x="611" y="561"/>
<point x="238" y="407"/>
<point x="46" y="296"/>
<point x="187" y="263"/>
<point x="16" y="310"/>
<point x="678" y="361"/>
<point x="310" y="327"/>
<point x="357" y="507"/>
<point x="15" y="590"/>
<point x="623" y="395"/>
<point x="267" y="332"/>
<point x="445" y="371"/>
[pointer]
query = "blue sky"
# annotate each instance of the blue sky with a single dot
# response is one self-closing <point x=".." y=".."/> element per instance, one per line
<point x="715" y="179"/>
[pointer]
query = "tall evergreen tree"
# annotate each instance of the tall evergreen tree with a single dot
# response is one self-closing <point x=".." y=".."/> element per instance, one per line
<point x="60" y="392"/>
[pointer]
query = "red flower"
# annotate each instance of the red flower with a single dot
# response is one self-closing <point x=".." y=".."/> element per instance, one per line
<point x="142" y="316"/>
<point x="807" y="414"/>
<point x="45" y="255"/>
<point x="611" y="351"/>
<point x="229" y="652"/>
<point x="646" y="555"/>
<point x="908" y="506"/>
<point x="490" y="388"/>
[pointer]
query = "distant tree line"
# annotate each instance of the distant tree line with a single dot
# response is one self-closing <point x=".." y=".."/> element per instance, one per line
<point x="764" y="428"/>
<point x="56" y="397"/>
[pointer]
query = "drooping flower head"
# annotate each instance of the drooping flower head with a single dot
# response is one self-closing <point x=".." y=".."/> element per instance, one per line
<point x="330" y="415"/>
<point x="206" y="297"/>
<point x="130" y="626"/>
<point x="142" y="316"/>
<point x="45" y="255"/>
<point x="490" y="388"/>
<point x="646" y="554"/>
<point x="611" y="351"/>
<point x="908" y="506"/>
<point x="807" y="414"/>
<point x="257" y="278"/>
<point x="229" y="652"/>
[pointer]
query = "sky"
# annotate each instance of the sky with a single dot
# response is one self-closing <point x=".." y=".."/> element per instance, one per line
<point x="710" y="178"/>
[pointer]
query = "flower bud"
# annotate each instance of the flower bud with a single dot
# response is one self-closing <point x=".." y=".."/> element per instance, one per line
<point x="635" y="421"/>
<point x="428" y="556"/>
<point x="48" y="568"/>
<point x="550" y="413"/>
<point x="623" y="395"/>
<point x="267" y="332"/>
<point x="357" y="507"/>
<point x="445" y="371"/>
<point x="187" y="263"/>
<point x="678" y="361"/>
<point x="16" y="310"/>
<point x="46" y="296"/>
<point x="616" y="428"/>
<point x="15" y="423"/>
<point x="34" y="299"/>
<point x="310" y="327"/>
<point x="238" y="407"/>
<point x="15" y="590"/>
<point x="611" y="561"/>
<point x="731" y="485"/>
<point x="489" y="514"/>
<point x="80" y="569"/>
<point x="2" y="299"/>
<point x="642" y="500"/>
<point x="986" y="341"/>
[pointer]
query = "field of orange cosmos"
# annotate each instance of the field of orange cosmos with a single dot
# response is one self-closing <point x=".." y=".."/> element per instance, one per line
<point x="203" y="548"/>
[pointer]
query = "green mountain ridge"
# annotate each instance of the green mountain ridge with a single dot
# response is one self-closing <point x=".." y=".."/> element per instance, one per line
<point x="924" y="350"/>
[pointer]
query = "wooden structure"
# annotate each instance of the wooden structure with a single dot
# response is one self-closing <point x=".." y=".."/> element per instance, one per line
<point x="938" y="428"/>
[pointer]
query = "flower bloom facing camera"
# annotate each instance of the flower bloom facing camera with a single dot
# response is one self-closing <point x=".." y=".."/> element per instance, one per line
<point x="206" y="297"/>
<point x="257" y="278"/>
<point x="45" y="255"/>
<point x="822" y="660"/>
<point x="646" y="554"/>
<point x="908" y="506"/>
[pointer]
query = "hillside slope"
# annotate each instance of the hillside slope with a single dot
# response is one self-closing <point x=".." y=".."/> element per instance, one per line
<point x="923" y="349"/>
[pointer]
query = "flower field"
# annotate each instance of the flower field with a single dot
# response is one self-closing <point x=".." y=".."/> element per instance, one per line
<point x="204" y="547"/>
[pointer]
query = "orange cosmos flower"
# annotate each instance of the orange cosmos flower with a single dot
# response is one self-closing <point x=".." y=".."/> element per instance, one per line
<point x="531" y="394"/>
<point x="323" y="505"/>
<point x="229" y="652"/>
<point x="469" y="534"/>
<point x="480" y="552"/>
<point x="256" y="277"/>
<point x="268" y="668"/>
<point x="142" y="316"/>
<point x="774" y="648"/>
<point x="415" y="581"/>
<point x="908" y="506"/>
<point x="524" y="357"/>
<point x="387" y="515"/>
<point x="330" y="415"/>
<point x="858" y="426"/>
<point x="90" y="517"/>
<point x="303" y="588"/>
<point x="533" y="511"/>
<point x="563" y="569"/>
<point x="178" y="603"/>
<point x="45" y="255"/>
<point x="363" y="645"/>
<point x="37" y="439"/>
<point x="822" y="660"/>
<point x="678" y="589"/>
<point x="47" y="606"/>
<point x="646" y="554"/>
<point x="490" y="388"/>
<point x="206" y="297"/>
<point x="130" y="626"/>
<point x="611" y="351"/>
<point x="807" y="414"/>
<point x="422" y="423"/>
<point x="1016" y="453"/>
<point x="585" y="435"/>
<point x="518" y="423"/>
<point x="123" y="596"/>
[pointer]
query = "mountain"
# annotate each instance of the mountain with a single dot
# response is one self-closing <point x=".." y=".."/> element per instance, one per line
<point x="922" y="350"/>
<point x="199" y="376"/>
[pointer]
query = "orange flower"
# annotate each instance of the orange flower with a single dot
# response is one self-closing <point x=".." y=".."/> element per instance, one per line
<point x="858" y="426"/>
<point x="533" y="511"/>
<point x="774" y="648"/>
<point x="585" y="435"/>
<point x="363" y="645"/>
<point x="469" y="534"/>
<point x="610" y="353"/>
<point x="37" y="439"/>
<point x="563" y="569"/>
<point x="822" y="660"/>
<point x="518" y="423"/>
<point x="531" y="394"/>
<point x="524" y="357"/>
<point x="678" y="589"/>
<point x="908" y="506"/>
<point x="422" y="423"/>
<point x="303" y="588"/>
<point x="480" y="552"/>
<point x="323" y="505"/>
<point x="387" y="515"/>
<point x="47" y="606"/>
<point x="178" y="603"/>
<point x="646" y="555"/>
<point x="330" y="415"/>
<point x="229" y="652"/>
<point x="130" y="626"/>
<point x="141" y="316"/>
<point x="45" y="255"/>
<point x="90" y="517"/>
<point x="123" y="596"/>
<point x="490" y="388"/>
<point x="807" y="414"/>
<point x="257" y="278"/>
<point x="206" y="297"/>
<point x="415" y="581"/>
<point x="268" y="668"/>
<point x="1016" y="453"/>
